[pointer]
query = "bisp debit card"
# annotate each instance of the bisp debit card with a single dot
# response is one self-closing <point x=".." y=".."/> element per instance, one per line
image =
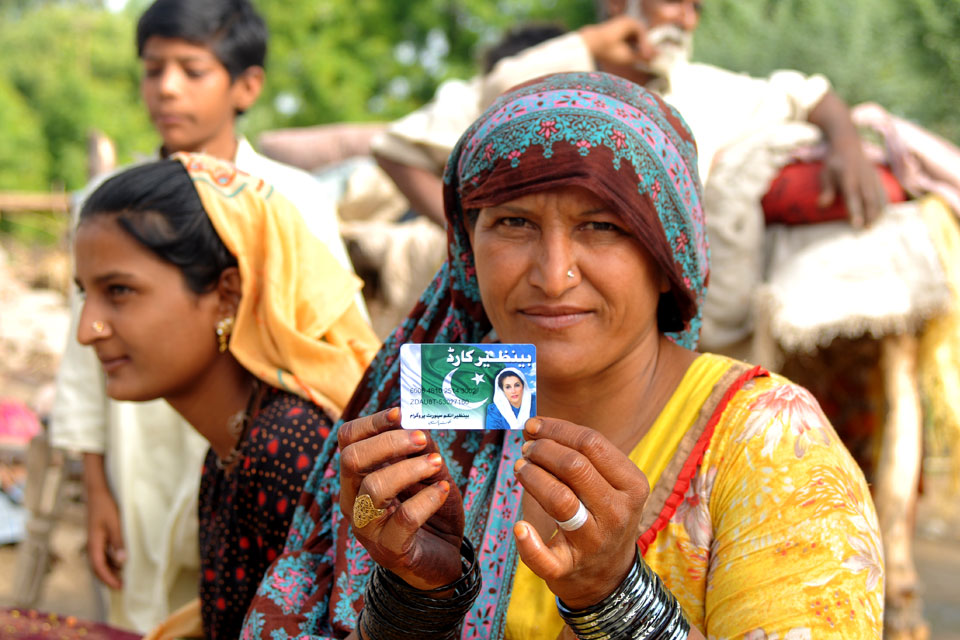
<point x="467" y="386"/>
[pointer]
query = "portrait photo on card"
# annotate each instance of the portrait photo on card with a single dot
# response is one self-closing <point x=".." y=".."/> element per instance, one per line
<point x="467" y="386"/>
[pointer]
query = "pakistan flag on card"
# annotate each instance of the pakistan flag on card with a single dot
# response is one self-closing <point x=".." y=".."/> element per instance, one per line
<point x="467" y="386"/>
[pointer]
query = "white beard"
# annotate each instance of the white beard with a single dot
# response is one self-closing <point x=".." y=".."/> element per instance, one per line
<point x="674" y="46"/>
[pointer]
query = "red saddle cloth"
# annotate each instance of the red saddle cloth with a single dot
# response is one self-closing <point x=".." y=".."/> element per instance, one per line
<point x="792" y="198"/>
<point x="27" y="624"/>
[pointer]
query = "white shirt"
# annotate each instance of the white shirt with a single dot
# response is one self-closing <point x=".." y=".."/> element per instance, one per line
<point x="721" y="107"/>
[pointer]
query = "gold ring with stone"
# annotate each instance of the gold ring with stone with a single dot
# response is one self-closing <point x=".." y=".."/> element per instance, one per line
<point x="364" y="512"/>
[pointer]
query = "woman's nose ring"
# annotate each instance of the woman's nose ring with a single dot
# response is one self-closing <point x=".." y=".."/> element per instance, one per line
<point x="98" y="326"/>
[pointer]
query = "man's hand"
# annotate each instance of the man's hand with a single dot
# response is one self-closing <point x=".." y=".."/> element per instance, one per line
<point x="847" y="171"/>
<point x="422" y="189"/>
<point x="619" y="41"/>
<point x="104" y="531"/>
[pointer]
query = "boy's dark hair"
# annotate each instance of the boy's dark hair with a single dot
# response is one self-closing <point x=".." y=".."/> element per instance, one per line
<point x="232" y="29"/>
<point x="157" y="204"/>
<point x="518" y="39"/>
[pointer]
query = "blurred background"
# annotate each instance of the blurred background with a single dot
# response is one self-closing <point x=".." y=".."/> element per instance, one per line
<point x="69" y="70"/>
<point x="70" y="66"/>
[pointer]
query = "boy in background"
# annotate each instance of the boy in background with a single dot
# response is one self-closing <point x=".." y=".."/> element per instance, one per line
<point x="203" y="65"/>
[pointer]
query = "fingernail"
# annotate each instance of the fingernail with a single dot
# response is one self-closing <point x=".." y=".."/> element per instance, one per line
<point x="394" y="414"/>
<point x="520" y="530"/>
<point x="532" y="426"/>
<point x="418" y="438"/>
<point x="435" y="459"/>
<point x="444" y="486"/>
<point x="518" y="465"/>
<point x="525" y="449"/>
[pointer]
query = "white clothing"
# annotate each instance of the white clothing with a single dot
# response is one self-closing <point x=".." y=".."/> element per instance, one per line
<point x="830" y="280"/>
<point x="152" y="455"/>
<point x="425" y="137"/>
<point x="721" y="107"/>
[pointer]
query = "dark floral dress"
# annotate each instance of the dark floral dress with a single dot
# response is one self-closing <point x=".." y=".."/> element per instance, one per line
<point x="245" y="513"/>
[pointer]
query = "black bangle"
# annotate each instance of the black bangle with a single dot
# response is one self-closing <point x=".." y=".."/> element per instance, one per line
<point x="394" y="610"/>
<point x="640" y="608"/>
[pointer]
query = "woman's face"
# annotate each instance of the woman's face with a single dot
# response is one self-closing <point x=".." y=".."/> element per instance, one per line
<point x="558" y="269"/>
<point x="154" y="337"/>
<point x="513" y="389"/>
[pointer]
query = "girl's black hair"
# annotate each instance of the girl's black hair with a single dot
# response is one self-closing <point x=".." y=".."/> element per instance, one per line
<point x="157" y="204"/>
<point x="232" y="29"/>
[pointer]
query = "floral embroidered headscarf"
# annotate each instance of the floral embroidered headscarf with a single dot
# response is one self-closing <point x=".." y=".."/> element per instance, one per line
<point x="610" y="136"/>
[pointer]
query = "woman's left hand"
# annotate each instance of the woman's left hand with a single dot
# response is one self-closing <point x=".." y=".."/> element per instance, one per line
<point x="563" y="463"/>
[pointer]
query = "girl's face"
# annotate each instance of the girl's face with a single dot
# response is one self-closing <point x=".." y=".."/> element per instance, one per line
<point x="154" y="337"/>
<point x="513" y="389"/>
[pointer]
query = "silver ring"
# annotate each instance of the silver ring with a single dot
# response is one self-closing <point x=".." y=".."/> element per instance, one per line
<point x="569" y="273"/>
<point x="577" y="521"/>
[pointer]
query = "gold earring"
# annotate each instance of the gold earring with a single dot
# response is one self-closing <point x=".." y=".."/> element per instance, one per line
<point x="224" y="329"/>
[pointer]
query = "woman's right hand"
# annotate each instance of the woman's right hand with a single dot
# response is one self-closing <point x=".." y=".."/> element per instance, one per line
<point x="418" y="537"/>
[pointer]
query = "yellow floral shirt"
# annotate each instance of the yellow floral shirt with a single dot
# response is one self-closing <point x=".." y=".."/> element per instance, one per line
<point x="776" y="536"/>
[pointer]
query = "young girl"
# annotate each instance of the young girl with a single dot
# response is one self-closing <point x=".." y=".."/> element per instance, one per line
<point x="203" y="287"/>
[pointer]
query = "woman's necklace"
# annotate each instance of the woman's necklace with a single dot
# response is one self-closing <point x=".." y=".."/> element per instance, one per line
<point x="237" y="426"/>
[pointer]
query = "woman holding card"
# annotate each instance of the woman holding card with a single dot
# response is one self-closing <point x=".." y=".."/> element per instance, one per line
<point x="659" y="493"/>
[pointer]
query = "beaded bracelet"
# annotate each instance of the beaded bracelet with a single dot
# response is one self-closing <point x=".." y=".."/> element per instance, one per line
<point x="640" y="608"/>
<point x="394" y="610"/>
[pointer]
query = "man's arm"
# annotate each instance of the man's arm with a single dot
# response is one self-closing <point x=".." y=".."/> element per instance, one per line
<point x="414" y="149"/>
<point x="105" y="547"/>
<point x="423" y="189"/>
<point x="846" y="171"/>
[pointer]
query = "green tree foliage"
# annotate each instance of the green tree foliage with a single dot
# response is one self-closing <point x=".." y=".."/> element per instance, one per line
<point x="335" y="60"/>
<point x="903" y="54"/>
<point x="936" y="43"/>
<point x="24" y="162"/>
<point x="76" y="70"/>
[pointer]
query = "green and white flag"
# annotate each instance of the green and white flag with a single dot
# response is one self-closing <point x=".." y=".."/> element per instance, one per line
<point x="450" y="386"/>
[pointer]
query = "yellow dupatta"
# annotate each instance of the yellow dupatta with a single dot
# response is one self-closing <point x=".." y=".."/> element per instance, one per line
<point x="532" y="614"/>
<point x="297" y="326"/>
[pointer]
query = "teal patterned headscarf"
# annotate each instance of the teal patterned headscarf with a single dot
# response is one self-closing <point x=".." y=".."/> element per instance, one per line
<point x="612" y="137"/>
